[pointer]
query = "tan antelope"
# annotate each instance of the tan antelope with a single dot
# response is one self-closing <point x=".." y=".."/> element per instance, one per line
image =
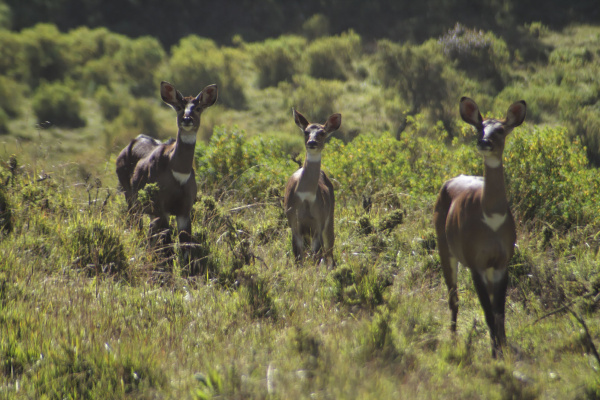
<point x="309" y="199"/>
<point x="474" y="224"/>
<point x="170" y="165"/>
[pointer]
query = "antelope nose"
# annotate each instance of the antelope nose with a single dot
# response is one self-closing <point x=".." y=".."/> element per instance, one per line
<point x="485" y="144"/>
<point x="187" y="121"/>
<point x="311" y="144"/>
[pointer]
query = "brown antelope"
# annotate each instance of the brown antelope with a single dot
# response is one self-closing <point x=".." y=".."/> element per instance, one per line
<point x="474" y="224"/>
<point x="170" y="165"/>
<point x="309" y="199"/>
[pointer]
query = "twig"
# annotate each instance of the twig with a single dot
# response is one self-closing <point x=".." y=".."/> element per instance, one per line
<point x="587" y="334"/>
<point x="566" y="307"/>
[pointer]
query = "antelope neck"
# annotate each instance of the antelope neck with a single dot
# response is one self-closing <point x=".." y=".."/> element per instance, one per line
<point x="311" y="172"/>
<point x="182" y="157"/>
<point x="494" y="200"/>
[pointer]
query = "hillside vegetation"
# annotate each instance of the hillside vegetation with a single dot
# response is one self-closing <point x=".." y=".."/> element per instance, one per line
<point x="88" y="310"/>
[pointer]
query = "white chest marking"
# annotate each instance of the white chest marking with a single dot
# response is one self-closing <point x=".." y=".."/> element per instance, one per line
<point x="494" y="221"/>
<point x="181" y="177"/>
<point x="306" y="196"/>
<point x="492" y="162"/>
<point x="188" y="138"/>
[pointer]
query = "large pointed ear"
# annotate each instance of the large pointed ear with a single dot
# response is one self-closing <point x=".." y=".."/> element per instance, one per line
<point x="469" y="111"/>
<point x="208" y="96"/>
<point x="170" y="95"/>
<point x="333" y="123"/>
<point x="516" y="114"/>
<point x="300" y="120"/>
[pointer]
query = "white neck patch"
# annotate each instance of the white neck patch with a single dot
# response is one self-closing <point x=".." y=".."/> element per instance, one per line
<point x="313" y="157"/>
<point x="180" y="177"/>
<point x="307" y="196"/>
<point x="188" y="138"/>
<point x="494" y="221"/>
<point x="492" y="161"/>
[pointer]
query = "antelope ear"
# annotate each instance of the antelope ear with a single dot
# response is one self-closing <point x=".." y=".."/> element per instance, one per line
<point x="170" y="95"/>
<point x="469" y="111"/>
<point x="333" y="123"/>
<point x="300" y="120"/>
<point x="516" y="114"/>
<point x="208" y="96"/>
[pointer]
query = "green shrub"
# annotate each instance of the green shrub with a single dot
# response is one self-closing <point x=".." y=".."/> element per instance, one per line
<point x="587" y="127"/>
<point x="549" y="180"/>
<point x="45" y="53"/>
<point x="95" y="247"/>
<point x="315" y="27"/>
<point x="196" y="62"/>
<point x="479" y="53"/>
<point x="10" y="96"/>
<point x="56" y="103"/>
<point x="136" y="116"/>
<point x="316" y="98"/>
<point x="4" y="118"/>
<point x="232" y="163"/>
<point x="333" y="57"/>
<point x="5" y="213"/>
<point x="111" y="102"/>
<point x="137" y="60"/>
<point x="416" y="71"/>
<point x="277" y="59"/>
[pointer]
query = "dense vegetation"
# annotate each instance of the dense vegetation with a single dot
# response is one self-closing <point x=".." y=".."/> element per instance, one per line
<point x="88" y="310"/>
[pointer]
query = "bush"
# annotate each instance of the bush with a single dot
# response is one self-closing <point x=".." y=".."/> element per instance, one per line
<point x="56" y="103"/>
<point x="111" y="102"/>
<point x="137" y="60"/>
<point x="44" y="53"/>
<point x="10" y="96"/>
<point x="196" y="62"/>
<point x="95" y="247"/>
<point x="333" y="57"/>
<point x="4" y="118"/>
<point x="316" y="98"/>
<point x="277" y="60"/>
<point x="480" y="54"/>
<point x="136" y="116"/>
<point x="549" y="180"/>
<point x="250" y="168"/>
<point x="315" y="27"/>
<point x="416" y="71"/>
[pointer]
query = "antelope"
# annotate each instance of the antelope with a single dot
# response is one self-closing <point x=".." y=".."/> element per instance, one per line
<point x="170" y="165"/>
<point x="309" y="199"/>
<point x="474" y="224"/>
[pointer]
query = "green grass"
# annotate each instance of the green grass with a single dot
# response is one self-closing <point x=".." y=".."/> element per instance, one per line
<point x="88" y="310"/>
<point x="252" y="324"/>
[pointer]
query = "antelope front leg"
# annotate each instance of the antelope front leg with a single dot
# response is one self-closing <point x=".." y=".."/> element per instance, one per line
<point x="498" y="304"/>
<point x="184" y="230"/>
<point x="159" y="232"/>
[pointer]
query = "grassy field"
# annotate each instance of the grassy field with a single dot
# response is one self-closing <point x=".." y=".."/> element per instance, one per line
<point x="87" y="310"/>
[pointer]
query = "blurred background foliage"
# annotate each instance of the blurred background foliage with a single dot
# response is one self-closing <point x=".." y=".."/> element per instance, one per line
<point x="93" y="69"/>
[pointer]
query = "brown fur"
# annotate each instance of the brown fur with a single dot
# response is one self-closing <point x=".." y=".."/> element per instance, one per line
<point x="466" y="229"/>
<point x="309" y="200"/>
<point x="146" y="160"/>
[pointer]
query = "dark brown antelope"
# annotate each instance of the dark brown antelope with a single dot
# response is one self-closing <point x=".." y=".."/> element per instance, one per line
<point x="309" y="199"/>
<point x="474" y="224"/>
<point x="170" y="165"/>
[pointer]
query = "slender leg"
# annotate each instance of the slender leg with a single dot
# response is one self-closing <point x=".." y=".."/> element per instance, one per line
<point x="498" y="305"/>
<point x="328" y="242"/>
<point x="450" y="269"/>
<point x="159" y="232"/>
<point x="184" y="231"/>
<point x="486" y="304"/>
